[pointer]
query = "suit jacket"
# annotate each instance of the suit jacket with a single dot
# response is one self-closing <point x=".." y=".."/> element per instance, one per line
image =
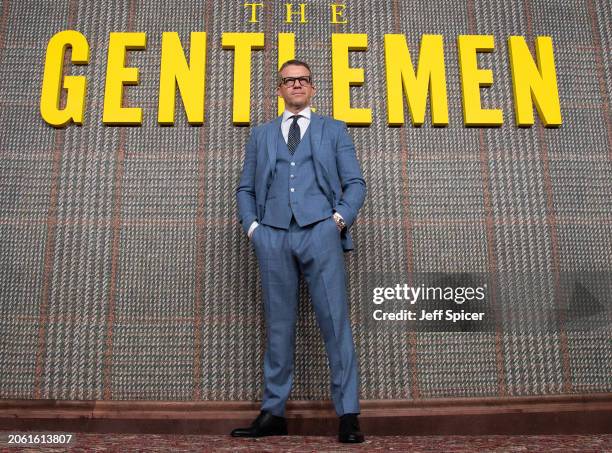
<point x="336" y="166"/>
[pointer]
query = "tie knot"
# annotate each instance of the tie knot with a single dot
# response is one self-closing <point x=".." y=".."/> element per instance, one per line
<point x="295" y="117"/>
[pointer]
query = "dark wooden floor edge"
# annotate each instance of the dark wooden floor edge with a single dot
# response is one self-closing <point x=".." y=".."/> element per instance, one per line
<point x="562" y="414"/>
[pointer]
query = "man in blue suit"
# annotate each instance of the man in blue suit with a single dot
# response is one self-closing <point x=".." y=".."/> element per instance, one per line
<point x="299" y="193"/>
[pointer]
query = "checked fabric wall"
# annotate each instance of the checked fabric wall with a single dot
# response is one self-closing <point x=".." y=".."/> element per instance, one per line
<point x="125" y="275"/>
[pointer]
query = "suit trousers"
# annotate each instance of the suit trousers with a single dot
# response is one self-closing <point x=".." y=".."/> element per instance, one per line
<point x="316" y="251"/>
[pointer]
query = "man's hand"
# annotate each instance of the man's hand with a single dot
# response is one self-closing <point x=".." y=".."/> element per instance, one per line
<point x="340" y="224"/>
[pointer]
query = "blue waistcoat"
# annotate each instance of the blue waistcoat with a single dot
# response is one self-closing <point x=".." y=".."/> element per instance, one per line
<point x="294" y="190"/>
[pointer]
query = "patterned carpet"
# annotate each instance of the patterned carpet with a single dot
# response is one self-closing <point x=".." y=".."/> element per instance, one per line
<point x="424" y="444"/>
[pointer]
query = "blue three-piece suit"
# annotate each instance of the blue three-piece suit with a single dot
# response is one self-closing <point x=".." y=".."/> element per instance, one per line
<point x="293" y="198"/>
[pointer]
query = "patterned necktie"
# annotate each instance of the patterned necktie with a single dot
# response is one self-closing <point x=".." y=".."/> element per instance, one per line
<point x="294" y="134"/>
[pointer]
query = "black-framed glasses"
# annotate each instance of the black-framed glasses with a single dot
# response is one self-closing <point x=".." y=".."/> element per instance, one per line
<point x="304" y="81"/>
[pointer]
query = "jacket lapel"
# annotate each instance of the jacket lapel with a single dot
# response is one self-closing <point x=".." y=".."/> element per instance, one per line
<point x="271" y="135"/>
<point x="316" y="135"/>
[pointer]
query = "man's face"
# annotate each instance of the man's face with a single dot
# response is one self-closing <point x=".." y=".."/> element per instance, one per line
<point x="296" y="97"/>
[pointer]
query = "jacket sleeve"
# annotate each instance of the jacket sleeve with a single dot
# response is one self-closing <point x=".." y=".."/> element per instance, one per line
<point x="245" y="193"/>
<point x="351" y="179"/>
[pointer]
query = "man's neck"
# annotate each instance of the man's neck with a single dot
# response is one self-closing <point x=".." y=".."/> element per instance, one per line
<point x="295" y="110"/>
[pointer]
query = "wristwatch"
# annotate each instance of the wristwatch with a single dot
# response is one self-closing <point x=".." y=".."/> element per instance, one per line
<point x="340" y="223"/>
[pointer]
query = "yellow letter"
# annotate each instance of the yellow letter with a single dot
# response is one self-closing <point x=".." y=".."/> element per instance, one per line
<point x="189" y="78"/>
<point x="473" y="78"/>
<point x="253" y="11"/>
<point x="52" y="80"/>
<point x="430" y="76"/>
<point x="531" y="82"/>
<point x="286" y="51"/>
<point x="343" y="77"/>
<point x="118" y="75"/>
<point x="337" y="13"/>
<point x="302" y="13"/>
<point x="242" y="43"/>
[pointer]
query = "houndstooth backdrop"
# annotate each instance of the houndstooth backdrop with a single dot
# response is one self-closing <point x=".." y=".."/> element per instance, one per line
<point x="125" y="275"/>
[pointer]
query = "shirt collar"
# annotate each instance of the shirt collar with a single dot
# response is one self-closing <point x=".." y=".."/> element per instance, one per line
<point x="305" y="113"/>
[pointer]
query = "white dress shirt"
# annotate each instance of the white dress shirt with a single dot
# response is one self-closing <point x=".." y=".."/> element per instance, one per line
<point x="303" y="122"/>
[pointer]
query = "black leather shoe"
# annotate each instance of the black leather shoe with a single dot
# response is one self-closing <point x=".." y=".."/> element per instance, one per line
<point x="265" y="424"/>
<point x="348" y="431"/>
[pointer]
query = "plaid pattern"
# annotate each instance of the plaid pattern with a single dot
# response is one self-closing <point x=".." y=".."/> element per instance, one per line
<point x="124" y="274"/>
